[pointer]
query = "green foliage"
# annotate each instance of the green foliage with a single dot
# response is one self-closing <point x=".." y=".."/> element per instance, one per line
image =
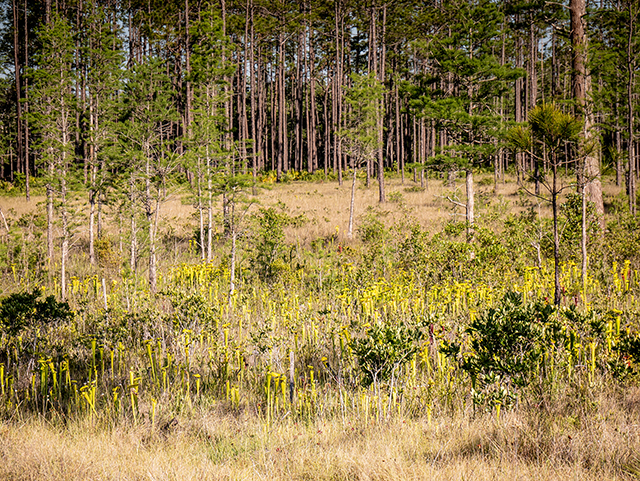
<point x="365" y="97"/>
<point x="105" y="254"/>
<point x="52" y="101"/>
<point x="377" y="243"/>
<point x="548" y="126"/>
<point x="628" y="349"/>
<point x="413" y="250"/>
<point x="384" y="347"/>
<point x="571" y="233"/>
<point x="623" y="234"/>
<point x="268" y="258"/>
<point x="191" y="312"/>
<point x="553" y="126"/>
<point x="25" y="310"/>
<point x="506" y="345"/>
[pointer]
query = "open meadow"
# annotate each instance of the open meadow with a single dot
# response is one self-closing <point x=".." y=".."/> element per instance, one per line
<point x="422" y="348"/>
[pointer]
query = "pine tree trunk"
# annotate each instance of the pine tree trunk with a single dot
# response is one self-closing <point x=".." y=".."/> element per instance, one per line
<point x="631" y="64"/>
<point x="49" y="188"/>
<point x="352" y="204"/>
<point x="312" y="160"/>
<point x="282" y="117"/>
<point x="382" y="197"/>
<point x="470" y="205"/>
<point x="133" y="247"/>
<point x="64" y="120"/>
<point x="257" y="146"/>
<point x="188" y="93"/>
<point x="243" y="119"/>
<point x="150" y="224"/>
<point x="65" y="234"/>
<point x="27" y="166"/>
<point x="581" y="86"/>
<point x="557" y="295"/>
<point x="209" y="206"/>
<point x="337" y="150"/>
<point x="18" y="86"/>
<point x="299" y="90"/>
<point x="92" y="221"/>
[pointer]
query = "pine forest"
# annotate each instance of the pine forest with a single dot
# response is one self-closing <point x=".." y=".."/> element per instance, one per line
<point x="319" y="240"/>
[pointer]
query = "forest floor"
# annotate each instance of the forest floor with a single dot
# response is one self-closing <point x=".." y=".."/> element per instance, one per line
<point x="326" y="204"/>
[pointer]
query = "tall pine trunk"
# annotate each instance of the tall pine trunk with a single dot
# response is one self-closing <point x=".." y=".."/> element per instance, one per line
<point x="581" y="87"/>
<point x="631" y="66"/>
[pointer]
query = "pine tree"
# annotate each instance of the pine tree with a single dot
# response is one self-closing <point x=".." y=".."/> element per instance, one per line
<point x="360" y="138"/>
<point x="151" y="151"/>
<point x="103" y="83"/>
<point x="207" y="153"/>
<point x="52" y="111"/>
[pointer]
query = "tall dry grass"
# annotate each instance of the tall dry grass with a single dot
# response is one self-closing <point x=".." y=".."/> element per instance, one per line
<point x="596" y="443"/>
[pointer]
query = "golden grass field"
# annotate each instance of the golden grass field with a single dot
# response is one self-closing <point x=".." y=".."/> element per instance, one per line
<point x="326" y="204"/>
<point x="214" y="445"/>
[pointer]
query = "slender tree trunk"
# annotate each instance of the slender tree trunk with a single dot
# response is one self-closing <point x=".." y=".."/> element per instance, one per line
<point x="557" y="296"/>
<point x="257" y="148"/>
<point x="299" y="90"/>
<point x="470" y="205"/>
<point x="243" y="119"/>
<point x="201" y="209"/>
<point x="352" y="204"/>
<point x="532" y="94"/>
<point x="187" y="55"/>
<point x="49" y="188"/>
<point x="312" y="149"/>
<point x="260" y="112"/>
<point x="631" y="67"/>
<point x="27" y="163"/>
<point x="65" y="235"/>
<point x="382" y="198"/>
<point x="133" y="248"/>
<point x="92" y="218"/>
<point x="150" y="223"/>
<point x="581" y="86"/>
<point x="282" y="115"/>
<point x="337" y="150"/>
<point x="18" y="84"/>
<point x="518" y="114"/>
<point x="232" y="267"/>
<point x="583" y="238"/>
<point x="64" y="119"/>
<point x="327" y="138"/>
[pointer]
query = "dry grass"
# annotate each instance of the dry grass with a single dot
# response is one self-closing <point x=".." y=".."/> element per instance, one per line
<point x="216" y="445"/>
<point x="326" y="204"/>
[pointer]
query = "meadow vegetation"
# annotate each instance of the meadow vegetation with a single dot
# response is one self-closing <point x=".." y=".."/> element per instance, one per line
<point x="412" y="351"/>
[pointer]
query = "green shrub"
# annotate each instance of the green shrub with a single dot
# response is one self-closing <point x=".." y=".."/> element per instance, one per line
<point x="506" y="344"/>
<point x="385" y="347"/>
<point x="269" y="244"/>
<point x="25" y="310"/>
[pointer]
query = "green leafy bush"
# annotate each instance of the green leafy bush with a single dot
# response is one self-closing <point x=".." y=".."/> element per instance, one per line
<point x="506" y="345"/>
<point x="384" y="347"/>
<point x="269" y="244"/>
<point x="24" y="310"/>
